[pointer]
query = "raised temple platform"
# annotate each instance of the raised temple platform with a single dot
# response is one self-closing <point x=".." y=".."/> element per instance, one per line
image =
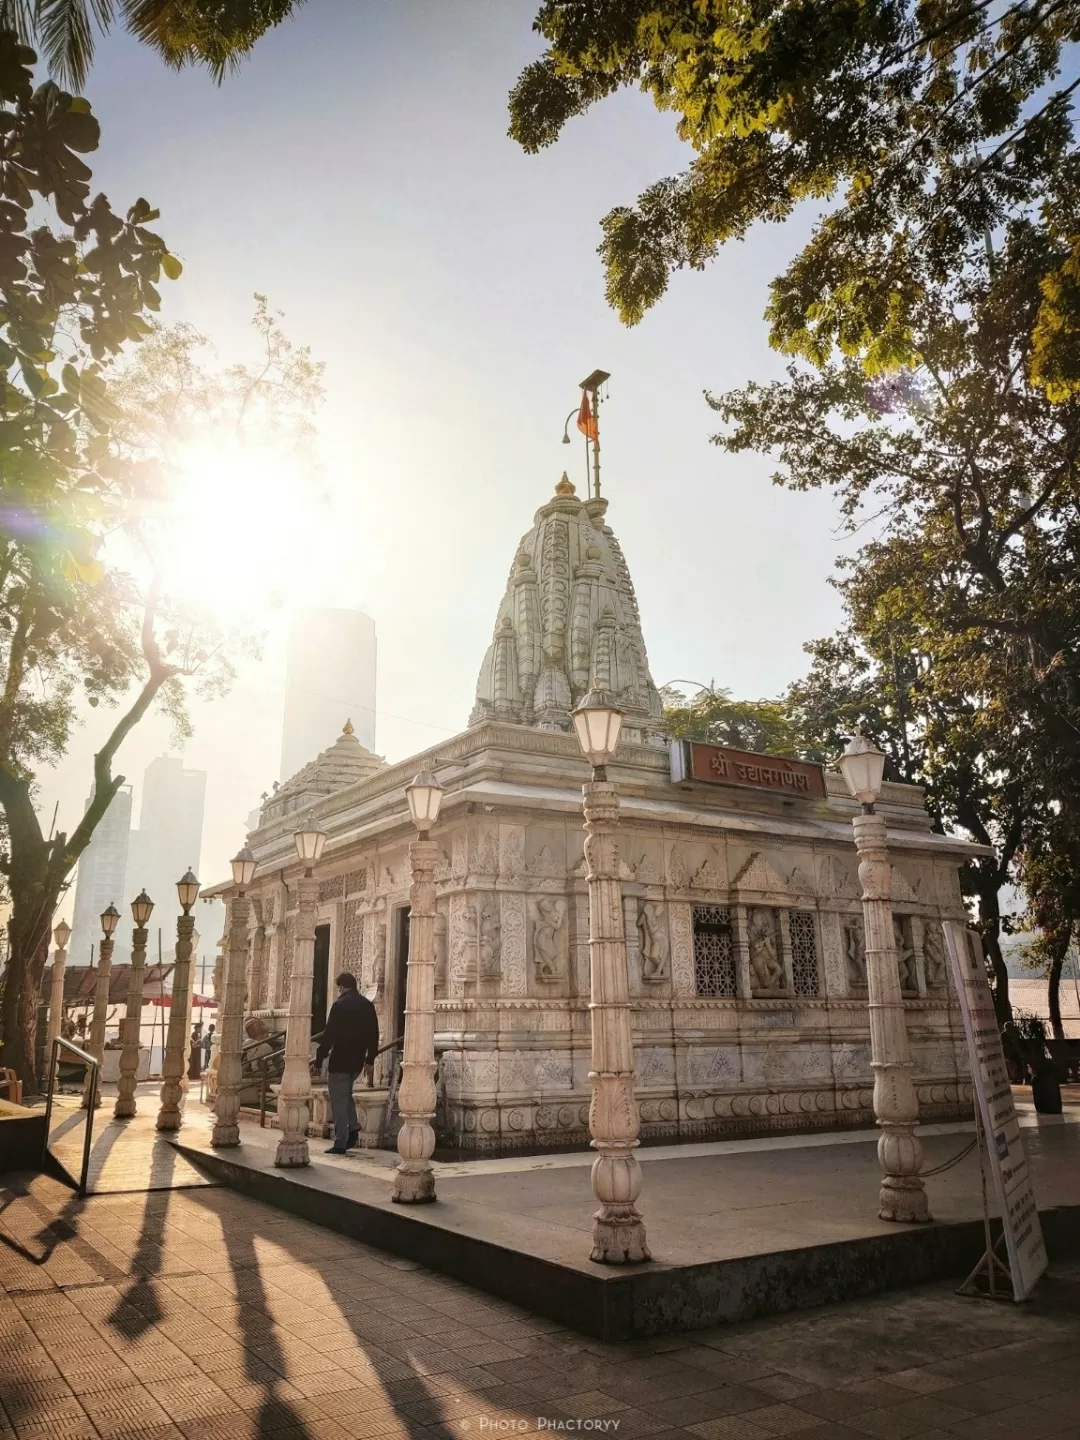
<point x="738" y="1229"/>
<point x="22" y="1134"/>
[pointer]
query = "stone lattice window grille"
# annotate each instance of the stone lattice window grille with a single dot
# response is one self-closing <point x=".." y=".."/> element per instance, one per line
<point x="714" y="951"/>
<point x="355" y="882"/>
<point x="352" y="947"/>
<point x="804" y="952"/>
<point x="332" y="889"/>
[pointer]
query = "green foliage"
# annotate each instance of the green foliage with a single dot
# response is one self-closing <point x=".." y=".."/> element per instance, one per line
<point x="213" y="33"/>
<point x="72" y="294"/>
<point x="713" y="716"/>
<point x="914" y="129"/>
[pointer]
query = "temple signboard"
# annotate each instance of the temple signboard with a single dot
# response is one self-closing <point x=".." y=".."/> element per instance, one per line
<point x="997" y="1120"/>
<point x="721" y="765"/>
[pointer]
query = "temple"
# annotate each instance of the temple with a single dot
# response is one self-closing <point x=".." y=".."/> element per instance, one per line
<point x="740" y="896"/>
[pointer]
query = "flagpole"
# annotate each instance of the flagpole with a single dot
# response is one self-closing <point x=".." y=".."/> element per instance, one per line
<point x="591" y="386"/>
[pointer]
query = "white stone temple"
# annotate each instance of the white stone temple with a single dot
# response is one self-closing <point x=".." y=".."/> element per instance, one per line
<point x="740" y="895"/>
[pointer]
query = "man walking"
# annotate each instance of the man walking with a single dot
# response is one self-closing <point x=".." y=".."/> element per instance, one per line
<point x="350" y="1042"/>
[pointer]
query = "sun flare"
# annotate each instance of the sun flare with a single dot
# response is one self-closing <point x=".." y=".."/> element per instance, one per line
<point x="239" y="535"/>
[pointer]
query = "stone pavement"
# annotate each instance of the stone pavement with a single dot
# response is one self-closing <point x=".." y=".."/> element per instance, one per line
<point x="201" y="1314"/>
<point x="126" y="1154"/>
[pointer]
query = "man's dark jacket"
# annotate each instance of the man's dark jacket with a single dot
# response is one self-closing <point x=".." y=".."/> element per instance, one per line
<point x="351" y="1037"/>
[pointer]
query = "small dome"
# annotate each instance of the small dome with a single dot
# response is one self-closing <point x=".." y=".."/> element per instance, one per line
<point x="342" y="764"/>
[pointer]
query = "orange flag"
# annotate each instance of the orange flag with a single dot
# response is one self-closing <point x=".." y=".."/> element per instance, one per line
<point x="586" y="420"/>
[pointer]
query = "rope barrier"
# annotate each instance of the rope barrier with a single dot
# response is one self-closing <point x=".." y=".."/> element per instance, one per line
<point x="948" y="1164"/>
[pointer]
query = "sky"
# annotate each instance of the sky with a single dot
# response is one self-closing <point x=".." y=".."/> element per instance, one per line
<point x="357" y="172"/>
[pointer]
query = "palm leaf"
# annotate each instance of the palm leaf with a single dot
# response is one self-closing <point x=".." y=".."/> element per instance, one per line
<point x="65" y="34"/>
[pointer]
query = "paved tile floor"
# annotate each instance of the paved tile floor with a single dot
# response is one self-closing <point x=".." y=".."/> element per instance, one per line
<point x="198" y="1313"/>
<point x="126" y="1154"/>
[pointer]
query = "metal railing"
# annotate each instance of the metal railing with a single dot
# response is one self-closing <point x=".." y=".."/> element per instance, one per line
<point x="92" y="1083"/>
<point x="264" y="1076"/>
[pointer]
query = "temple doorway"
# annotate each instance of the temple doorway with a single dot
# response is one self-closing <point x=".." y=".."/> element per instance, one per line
<point x="320" y="979"/>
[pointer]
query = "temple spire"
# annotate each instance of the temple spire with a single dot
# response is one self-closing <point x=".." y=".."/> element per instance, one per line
<point x="569" y="614"/>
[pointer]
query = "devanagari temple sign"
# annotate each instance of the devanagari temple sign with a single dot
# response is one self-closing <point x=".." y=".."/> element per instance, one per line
<point x="721" y="765"/>
<point x="1004" y="1145"/>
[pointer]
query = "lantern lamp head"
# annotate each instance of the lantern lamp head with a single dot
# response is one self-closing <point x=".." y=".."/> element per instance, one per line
<point x="598" y="721"/>
<point x="862" y="766"/>
<point x="425" y="796"/>
<point x="62" y="934"/>
<point x="142" y="908"/>
<point x="110" y="918"/>
<point x="243" y="868"/>
<point x="309" y="844"/>
<point x="187" y="888"/>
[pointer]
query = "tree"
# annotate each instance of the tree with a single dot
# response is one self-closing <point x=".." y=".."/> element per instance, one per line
<point x="914" y="128"/>
<point x="714" y="717"/>
<point x="213" y="33"/>
<point x="83" y="459"/>
<point x="1050" y="875"/>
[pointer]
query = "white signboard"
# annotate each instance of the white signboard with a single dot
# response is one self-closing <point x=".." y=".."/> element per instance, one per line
<point x="1008" y="1160"/>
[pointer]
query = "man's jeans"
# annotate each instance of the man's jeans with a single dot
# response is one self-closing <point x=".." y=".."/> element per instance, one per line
<point x="342" y="1105"/>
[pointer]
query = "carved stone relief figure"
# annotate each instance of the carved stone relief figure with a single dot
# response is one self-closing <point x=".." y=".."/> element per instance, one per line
<point x="489" y="938"/>
<point x="548" y="938"/>
<point x="934" y="952"/>
<point x="379" y="974"/>
<point x="655" y="949"/>
<point x="469" y="940"/>
<point x="441" y="948"/>
<point x="766" y="967"/>
<point x="905" y="953"/>
<point x="855" y="952"/>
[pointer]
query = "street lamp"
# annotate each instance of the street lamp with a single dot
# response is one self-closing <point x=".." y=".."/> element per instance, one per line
<point x="226" y="1130"/>
<point x="896" y="1104"/>
<point x="598" y="721"/>
<point x="243" y="869"/>
<point x="294" y="1093"/>
<point x="862" y="766"/>
<point x="414" y="1180"/>
<point x="187" y="889"/>
<point x="61" y="934"/>
<point x="170" y="1116"/>
<point x="109" y="918"/>
<point x="309" y="844"/>
<point x="142" y="907"/>
<point x="618" y="1229"/>
<point x="425" y="796"/>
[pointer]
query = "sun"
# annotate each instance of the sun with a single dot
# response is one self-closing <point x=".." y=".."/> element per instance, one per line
<point x="240" y="537"/>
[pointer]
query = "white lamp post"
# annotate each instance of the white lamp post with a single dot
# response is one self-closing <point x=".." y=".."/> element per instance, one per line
<point x="231" y="1020"/>
<point x="294" y="1094"/>
<point x="142" y="908"/>
<point x="896" y="1105"/>
<point x="618" y="1229"/>
<point x="62" y="934"/>
<point x="170" y="1115"/>
<point x="414" y="1180"/>
<point x="109" y="917"/>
